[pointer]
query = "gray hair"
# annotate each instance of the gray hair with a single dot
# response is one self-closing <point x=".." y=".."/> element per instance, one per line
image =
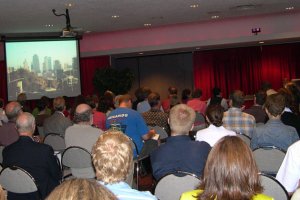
<point x="83" y="116"/>
<point x="25" y="122"/>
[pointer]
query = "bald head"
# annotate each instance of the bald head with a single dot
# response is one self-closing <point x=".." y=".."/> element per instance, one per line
<point x="25" y="124"/>
<point x="12" y="110"/>
<point x="83" y="114"/>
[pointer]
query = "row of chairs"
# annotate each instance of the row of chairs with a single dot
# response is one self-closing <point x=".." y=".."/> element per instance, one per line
<point x="171" y="186"/>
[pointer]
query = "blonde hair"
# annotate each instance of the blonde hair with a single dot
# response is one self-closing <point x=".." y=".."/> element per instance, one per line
<point x="80" y="189"/>
<point x="112" y="156"/>
<point x="182" y="119"/>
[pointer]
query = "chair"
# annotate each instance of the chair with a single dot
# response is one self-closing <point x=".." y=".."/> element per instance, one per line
<point x="273" y="188"/>
<point x="56" y="141"/>
<point x="77" y="158"/>
<point x="171" y="186"/>
<point x="200" y="122"/>
<point x="245" y="138"/>
<point x="17" y="180"/>
<point x="160" y="131"/>
<point x="268" y="159"/>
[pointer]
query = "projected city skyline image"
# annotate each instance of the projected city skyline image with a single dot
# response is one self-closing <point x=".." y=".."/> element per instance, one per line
<point x="45" y="68"/>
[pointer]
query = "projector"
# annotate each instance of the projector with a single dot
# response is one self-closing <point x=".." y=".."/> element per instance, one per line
<point x="68" y="33"/>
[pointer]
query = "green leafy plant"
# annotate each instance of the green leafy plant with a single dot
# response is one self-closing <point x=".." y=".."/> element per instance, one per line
<point x="117" y="81"/>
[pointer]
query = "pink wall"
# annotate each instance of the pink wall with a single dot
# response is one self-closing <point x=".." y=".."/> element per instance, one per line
<point x="214" y="32"/>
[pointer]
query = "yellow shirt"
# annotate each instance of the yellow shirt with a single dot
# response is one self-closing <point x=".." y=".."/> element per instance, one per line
<point x="192" y="195"/>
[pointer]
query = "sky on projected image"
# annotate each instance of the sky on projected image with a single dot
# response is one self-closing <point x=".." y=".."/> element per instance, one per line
<point x="39" y="68"/>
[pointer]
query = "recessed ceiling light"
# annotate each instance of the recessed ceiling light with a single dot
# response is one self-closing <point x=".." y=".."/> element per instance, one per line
<point x="261" y="42"/>
<point x="141" y="53"/>
<point x="194" y="5"/>
<point x="215" y="16"/>
<point x="289" y="8"/>
<point x="49" y="25"/>
<point x="69" y="5"/>
<point x="115" y="16"/>
<point x="147" y="25"/>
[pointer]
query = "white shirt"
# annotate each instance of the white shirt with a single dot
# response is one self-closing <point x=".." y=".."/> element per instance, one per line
<point x="213" y="134"/>
<point x="289" y="171"/>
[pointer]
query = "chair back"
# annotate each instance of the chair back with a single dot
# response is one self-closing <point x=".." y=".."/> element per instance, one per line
<point x="41" y="131"/>
<point x="56" y="141"/>
<point x="76" y="157"/>
<point x="160" y="131"/>
<point x="268" y="159"/>
<point x="17" y="180"/>
<point x="245" y="138"/>
<point x="273" y="188"/>
<point x="1" y="157"/>
<point x="171" y="186"/>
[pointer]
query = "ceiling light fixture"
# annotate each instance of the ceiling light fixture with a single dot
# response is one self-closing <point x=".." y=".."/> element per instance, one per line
<point x="147" y="25"/>
<point x="115" y="16"/>
<point x="289" y="8"/>
<point x="194" y="6"/>
<point x="141" y="53"/>
<point x="49" y="25"/>
<point x="261" y="42"/>
<point x="69" y="5"/>
<point x="215" y="17"/>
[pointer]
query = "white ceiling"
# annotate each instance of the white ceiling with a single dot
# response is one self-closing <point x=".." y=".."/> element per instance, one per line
<point x="31" y="16"/>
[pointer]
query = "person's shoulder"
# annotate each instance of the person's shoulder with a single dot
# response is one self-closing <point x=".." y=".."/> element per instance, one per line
<point x="190" y="195"/>
<point x="262" y="197"/>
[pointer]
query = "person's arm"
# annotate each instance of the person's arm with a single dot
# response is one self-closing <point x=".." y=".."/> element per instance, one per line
<point x="149" y="135"/>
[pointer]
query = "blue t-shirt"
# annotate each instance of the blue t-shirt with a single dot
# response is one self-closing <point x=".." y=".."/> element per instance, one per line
<point x="130" y="122"/>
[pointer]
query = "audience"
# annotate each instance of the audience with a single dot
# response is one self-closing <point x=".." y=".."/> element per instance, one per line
<point x="44" y="101"/>
<point x="129" y="121"/>
<point x="3" y="117"/>
<point x="113" y="161"/>
<point x="215" y="131"/>
<point x="195" y="103"/>
<point x="166" y="104"/>
<point x="82" y="134"/>
<point x="274" y="132"/>
<point x="180" y="152"/>
<point x="185" y="95"/>
<point x="57" y="122"/>
<point x="267" y="87"/>
<point x="144" y="106"/>
<point x="257" y="110"/>
<point x="289" y="171"/>
<point x="22" y="99"/>
<point x="80" y="189"/>
<point x="217" y="98"/>
<point x="230" y="173"/>
<point x="289" y="116"/>
<point x="156" y="117"/>
<point x="36" y="158"/>
<point x="99" y="115"/>
<point x="236" y="120"/>
<point x="8" y="131"/>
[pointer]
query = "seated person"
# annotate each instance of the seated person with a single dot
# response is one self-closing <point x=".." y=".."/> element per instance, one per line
<point x="113" y="161"/>
<point x="180" y="153"/>
<point x="196" y="103"/>
<point x="289" y="171"/>
<point x="274" y="132"/>
<point x="257" y="110"/>
<point x="230" y="173"/>
<point x="215" y="131"/>
<point x="79" y="189"/>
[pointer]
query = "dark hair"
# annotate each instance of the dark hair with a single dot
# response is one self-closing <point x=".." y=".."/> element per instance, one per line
<point x="215" y="114"/>
<point x="172" y="90"/>
<point x="260" y="97"/>
<point x="82" y="117"/>
<point x="90" y="101"/>
<point x="275" y="104"/>
<point x="185" y="94"/>
<point x="197" y="93"/>
<point x="216" y="91"/>
<point x="153" y="99"/>
<point x="237" y="98"/>
<point x="146" y="91"/>
<point x="230" y="172"/>
<point x="266" y="86"/>
<point x="139" y="94"/>
<point x="41" y="105"/>
<point x="1" y="103"/>
<point x="103" y="104"/>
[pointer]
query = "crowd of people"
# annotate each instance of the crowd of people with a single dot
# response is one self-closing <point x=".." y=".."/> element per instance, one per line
<point x="108" y="125"/>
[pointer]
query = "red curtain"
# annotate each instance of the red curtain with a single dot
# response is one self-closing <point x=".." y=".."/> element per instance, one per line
<point x="88" y="67"/>
<point x="245" y="68"/>
<point x="3" y="92"/>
